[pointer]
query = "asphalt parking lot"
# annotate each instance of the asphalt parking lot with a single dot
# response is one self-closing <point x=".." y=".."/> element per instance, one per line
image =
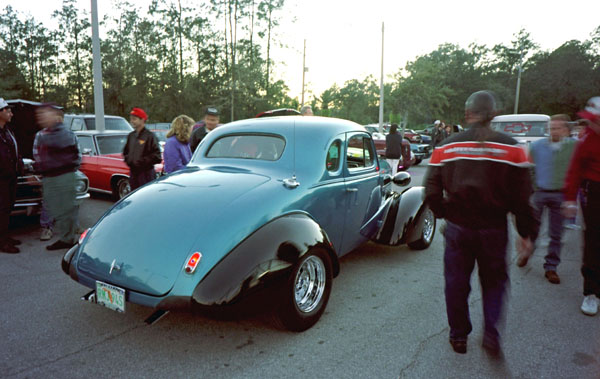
<point x="385" y="319"/>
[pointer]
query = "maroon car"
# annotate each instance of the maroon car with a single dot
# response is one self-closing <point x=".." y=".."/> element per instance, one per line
<point x="407" y="160"/>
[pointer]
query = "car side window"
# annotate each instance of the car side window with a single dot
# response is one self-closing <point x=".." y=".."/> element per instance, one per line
<point x="360" y="152"/>
<point x="86" y="146"/>
<point x="77" y="124"/>
<point x="332" y="162"/>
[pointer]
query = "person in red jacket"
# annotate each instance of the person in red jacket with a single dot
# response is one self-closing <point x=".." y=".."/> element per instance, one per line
<point x="584" y="174"/>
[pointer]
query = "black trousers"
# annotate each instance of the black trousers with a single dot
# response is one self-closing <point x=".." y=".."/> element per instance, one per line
<point x="139" y="178"/>
<point x="8" y="191"/>
<point x="591" y="251"/>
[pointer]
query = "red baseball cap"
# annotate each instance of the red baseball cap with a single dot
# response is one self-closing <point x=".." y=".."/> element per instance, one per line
<point x="592" y="110"/>
<point x="139" y="112"/>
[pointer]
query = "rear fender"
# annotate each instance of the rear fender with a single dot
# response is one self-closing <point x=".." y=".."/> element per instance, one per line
<point x="263" y="261"/>
<point x="401" y="220"/>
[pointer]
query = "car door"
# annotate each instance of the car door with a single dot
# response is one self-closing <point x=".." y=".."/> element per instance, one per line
<point x="89" y="159"/>
<point x="363" y="193"/>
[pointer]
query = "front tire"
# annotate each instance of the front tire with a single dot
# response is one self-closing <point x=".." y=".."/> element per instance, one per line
<point x="306" y="292"/>
<point x="427" y="230"/>
<point x="121" y="189"/>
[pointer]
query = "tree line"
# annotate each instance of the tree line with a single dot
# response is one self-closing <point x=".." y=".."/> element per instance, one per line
<point x="436" y="85"/>
<point x="173" y="58"/>
<point x="169" y="58"/>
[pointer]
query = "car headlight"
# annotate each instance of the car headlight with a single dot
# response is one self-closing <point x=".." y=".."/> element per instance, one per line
<point x="81" y="186"/>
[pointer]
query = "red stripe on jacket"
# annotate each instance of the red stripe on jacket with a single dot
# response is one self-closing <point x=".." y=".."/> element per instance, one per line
<point x="488" y="151"/>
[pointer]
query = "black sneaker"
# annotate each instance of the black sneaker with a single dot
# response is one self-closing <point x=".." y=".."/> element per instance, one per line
<point x="60" y="245"/>
<point x="9" y="248"/>
<point x="459" y="346"/>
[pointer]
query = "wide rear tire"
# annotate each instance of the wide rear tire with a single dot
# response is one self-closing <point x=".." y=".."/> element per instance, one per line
<point x="306" y="292"/>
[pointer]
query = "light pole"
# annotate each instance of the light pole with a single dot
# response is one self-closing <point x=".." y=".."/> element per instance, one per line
<point x="516" y="110"/>
<point x="97" y="68"/>
<point x="303" y="71"/>
<point x="381" y="85"/>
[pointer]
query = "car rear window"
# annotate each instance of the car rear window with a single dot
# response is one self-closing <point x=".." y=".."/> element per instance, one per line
<point x="109" y="124"/>
<point x="111" y="144"/>
<point x="248" y="146"/>
<point x="522" y="128"/>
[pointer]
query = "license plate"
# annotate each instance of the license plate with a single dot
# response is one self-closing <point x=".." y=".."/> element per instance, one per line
<point x="110" y="296"/>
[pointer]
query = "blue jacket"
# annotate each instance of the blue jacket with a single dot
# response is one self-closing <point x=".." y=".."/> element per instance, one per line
<point x="176" y="155"/>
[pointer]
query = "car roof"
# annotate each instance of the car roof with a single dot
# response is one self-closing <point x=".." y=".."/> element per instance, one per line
<point x="521" y="117"/>
<point x="89" y="115"/>
<point x="314" y="126"/>
<point x="106" y="132"/>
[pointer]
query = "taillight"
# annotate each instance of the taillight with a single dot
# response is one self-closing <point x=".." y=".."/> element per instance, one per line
<point x="82" y="236"/>
<point x="192" y="263"/>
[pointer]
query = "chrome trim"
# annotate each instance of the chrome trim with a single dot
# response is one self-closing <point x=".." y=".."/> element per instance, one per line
<point x="309" y="284"/>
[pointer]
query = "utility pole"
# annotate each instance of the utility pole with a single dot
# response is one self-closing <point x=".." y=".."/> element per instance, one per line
<point x="303" y="71"/>
<point x="97" y="68"/>
<point x="381" y="85"/>
<point x="516" y="110"/>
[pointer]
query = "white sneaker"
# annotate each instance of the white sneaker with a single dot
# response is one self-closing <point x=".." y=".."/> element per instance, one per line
<point x="590" y="305"/>
<point x="46" y="234"/>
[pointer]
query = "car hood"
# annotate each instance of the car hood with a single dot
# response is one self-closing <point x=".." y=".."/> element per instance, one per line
<point x="150" y="234"/>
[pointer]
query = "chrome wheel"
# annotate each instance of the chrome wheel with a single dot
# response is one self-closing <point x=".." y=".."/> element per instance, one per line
<point x="428" y="225"/>
<point x="123" y="188"/>
<point x="309" y="284"/>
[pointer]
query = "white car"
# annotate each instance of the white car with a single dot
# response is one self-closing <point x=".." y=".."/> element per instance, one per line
<point x="525" y="128"/>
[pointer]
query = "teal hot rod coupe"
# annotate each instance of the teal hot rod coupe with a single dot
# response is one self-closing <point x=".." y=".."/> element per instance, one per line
<point x="257" y="220"/>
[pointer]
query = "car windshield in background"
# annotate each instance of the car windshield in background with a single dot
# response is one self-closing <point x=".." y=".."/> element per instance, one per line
<point x="158" y="126"/>
<point x="109" y="124"/>
<point x="111" y="144"/>
<point x="248" y="146"/>
<point x="522" y="128"/>
<point x="161" y="135"/>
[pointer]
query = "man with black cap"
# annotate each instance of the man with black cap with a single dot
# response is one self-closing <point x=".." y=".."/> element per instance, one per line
<point x="584" y="175"/>
<point x="474" y="179"/>
<point x="211" y="121"/>
<point x="57" y="158"/>
<point x="9" y="168"/>
<point x="141" y="152"/>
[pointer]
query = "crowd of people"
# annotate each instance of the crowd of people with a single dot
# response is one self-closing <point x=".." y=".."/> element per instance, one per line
<point x="477" y="177"/>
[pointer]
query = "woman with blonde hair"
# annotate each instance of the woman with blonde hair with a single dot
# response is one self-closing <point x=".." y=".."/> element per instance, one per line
<point x="177" y="152"/>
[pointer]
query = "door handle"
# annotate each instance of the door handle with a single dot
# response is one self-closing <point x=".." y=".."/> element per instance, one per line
<point x="351" y="189"/>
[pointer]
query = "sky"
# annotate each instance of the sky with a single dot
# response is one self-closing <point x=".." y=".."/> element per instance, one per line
<point x="343" y="37"/>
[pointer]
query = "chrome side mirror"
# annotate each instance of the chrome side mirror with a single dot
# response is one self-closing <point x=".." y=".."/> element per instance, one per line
<point x="402" y="179"/>
<point x="86" y="151"/>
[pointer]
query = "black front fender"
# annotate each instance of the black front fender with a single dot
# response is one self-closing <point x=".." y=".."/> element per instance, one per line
<point x="400" y="223"/>
<point x="262" y="262"/>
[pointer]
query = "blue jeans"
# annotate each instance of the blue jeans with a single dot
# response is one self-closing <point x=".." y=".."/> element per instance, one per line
<point x="464" y="247"/>
<point x="46" y="221"/>
<point x="552" y="201"/>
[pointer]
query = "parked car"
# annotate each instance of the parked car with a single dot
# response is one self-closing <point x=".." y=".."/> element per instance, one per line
<point x="421" y="151"/>
<point x="77" y="122"/>
<point x="411" y="136"/>
<point x="374" y="130"/>
<point x="407" y="160"/>
<point x="158" y="126"/>
<point x="258" y="220"/>
<point x="29" y="185"/>
<point x="279" y="112"/>
<point x="102" y="161"/>
<point x="525" y="128"/>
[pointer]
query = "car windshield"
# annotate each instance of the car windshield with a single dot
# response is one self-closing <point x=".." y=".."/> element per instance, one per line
<point x="248" y="146"/>
<point x="522" y="128"/>
<point x="111" y="144"/>
<point x="116" y="123"/>
<point x="161" y="135"/>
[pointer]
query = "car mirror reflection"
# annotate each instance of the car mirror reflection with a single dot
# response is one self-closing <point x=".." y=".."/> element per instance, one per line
<point x="402" y="179"/>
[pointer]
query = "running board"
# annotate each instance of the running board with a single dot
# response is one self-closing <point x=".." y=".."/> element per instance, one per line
<point x="154" y="317"/>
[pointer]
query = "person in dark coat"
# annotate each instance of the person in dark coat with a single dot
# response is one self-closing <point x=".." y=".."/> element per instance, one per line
<point x="211" y="121"/>
<point x="9" y="168"/>
<point x="141" y="152"/>
<point x="57" y="158"/>
<point x="466" y="184"/>
<point x="393" y="148"/>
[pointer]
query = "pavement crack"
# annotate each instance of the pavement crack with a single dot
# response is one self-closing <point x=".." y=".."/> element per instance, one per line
<point x="420" y="350"/>
<point x="57" y="359"/>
